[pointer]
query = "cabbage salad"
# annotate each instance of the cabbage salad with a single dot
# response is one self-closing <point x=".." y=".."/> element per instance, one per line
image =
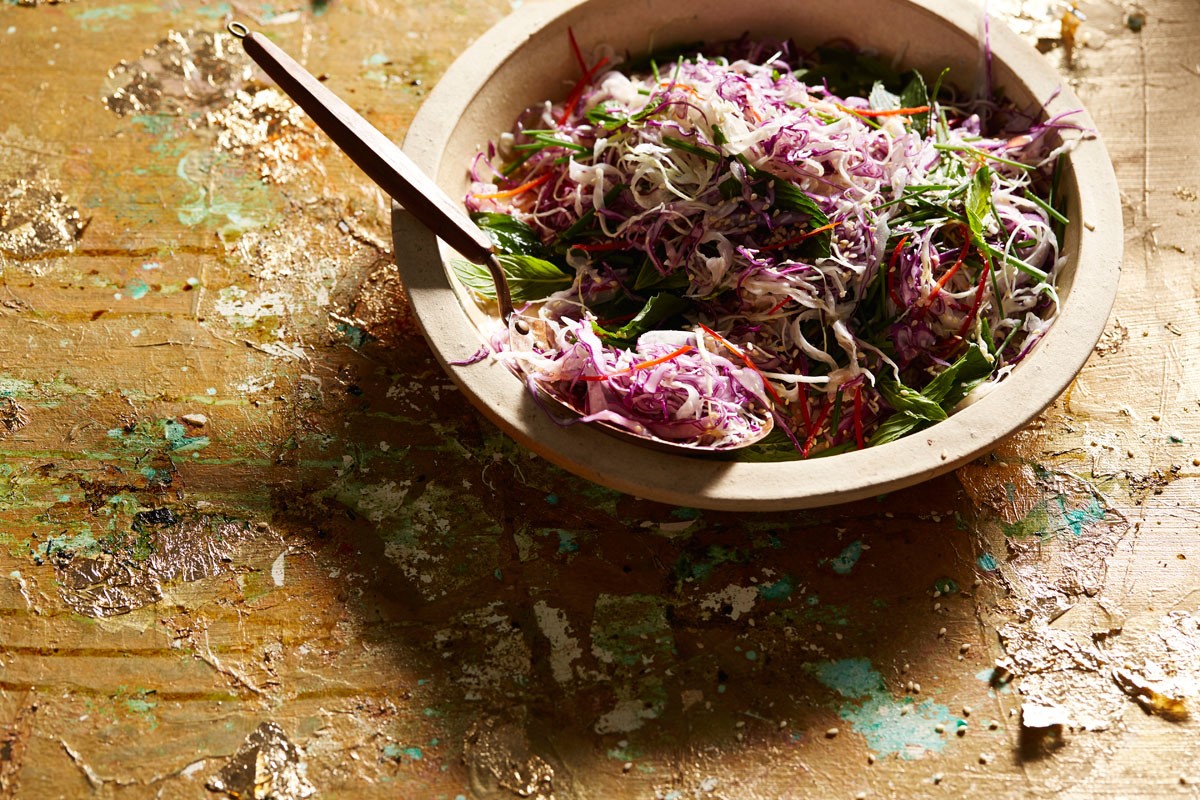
<point x="744" y="231"/>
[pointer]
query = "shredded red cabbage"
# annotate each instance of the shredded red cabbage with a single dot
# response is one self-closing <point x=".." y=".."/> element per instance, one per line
<point x="825" y="256"/>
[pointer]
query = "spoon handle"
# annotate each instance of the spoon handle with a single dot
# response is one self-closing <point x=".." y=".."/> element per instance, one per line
<point x="377" y="156"/>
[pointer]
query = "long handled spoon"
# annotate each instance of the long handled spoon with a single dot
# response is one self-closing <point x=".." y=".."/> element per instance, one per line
<point x="395" y="173"/>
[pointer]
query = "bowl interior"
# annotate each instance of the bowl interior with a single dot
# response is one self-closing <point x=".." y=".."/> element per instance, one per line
<point x="527" y="59"/>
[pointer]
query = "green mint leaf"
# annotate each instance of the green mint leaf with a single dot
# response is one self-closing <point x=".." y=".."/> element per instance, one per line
<point x="895" y="427"/>
<point x="530" y="279"/>
<point x="971" y="369"/>
<point x="657" y="309"/>
<point x="910" y="401"/>
<point x="509" y="234"/>
<point x="880" y="99"/>
<point x="979" y="201"/>
<point x="916" y="95"/>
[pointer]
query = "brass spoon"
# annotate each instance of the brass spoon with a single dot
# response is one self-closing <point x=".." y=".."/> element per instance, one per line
<point x="394" y="172"/>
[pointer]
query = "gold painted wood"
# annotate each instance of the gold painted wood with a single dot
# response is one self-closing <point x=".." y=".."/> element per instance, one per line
<point x="249" y="532"/>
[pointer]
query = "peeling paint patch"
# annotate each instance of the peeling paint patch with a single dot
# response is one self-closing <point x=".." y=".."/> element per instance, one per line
<point x="564" y="648"/>
<point x="132" y="575"/>
<point x="733" y="600"/>
<point x="12" y="416"/>
<point x="36" y="218"/>
<point x="498" y="756"/>
<point x="891" y="725"/>
<point x="848" y="557"/>
<point x="266" y="765"/>
<point x="184" y="72"/>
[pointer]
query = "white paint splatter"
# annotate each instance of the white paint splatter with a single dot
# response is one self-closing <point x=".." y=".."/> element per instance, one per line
<point x="564" y="648"/>
<point x="277" y="569"/>
<point x="382" y="501"/>
<point x="628" y="715"/>
<point x="740" y="600"/>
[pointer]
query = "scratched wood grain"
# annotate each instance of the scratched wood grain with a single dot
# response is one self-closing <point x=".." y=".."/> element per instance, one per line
<point x="341" y="555"/>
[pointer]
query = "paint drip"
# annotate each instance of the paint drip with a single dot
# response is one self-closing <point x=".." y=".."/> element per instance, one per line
<point x="267" y="765"/>
<point x="185" y="72"/>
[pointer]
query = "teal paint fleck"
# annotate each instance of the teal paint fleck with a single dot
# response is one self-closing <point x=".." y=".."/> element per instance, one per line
<point x="151" y="265"/>
<point x="812" y="600"/>
<point x="721" y="689"/>
<point x="137" y="289"/>
<point x="414" y="753"/>
<point x="375" y="60"/>
<point x="848" y="558"/>
<point x="1078" y="518"/>
<point x="215" y="11"/>
<point x="567" y="543"/>
<point x="432" y="712"/>
<point x="751" y="655"/>
<point x="356" y="337"/>
<point x="887" y="731"/>
<point x="945" y="585"/>
<point x="683" y="512"/>
<point x="986" y="676"/>
<point x="498" y="574"/>
<point x="779" y="590"/>
<point x="93" y="19"/>
<point x="987" y="562"/>
<point x="850" y="677"/>
<point x="552" y="499"/>
<point x="178" y="441"/>
<point x="876" y="715"/>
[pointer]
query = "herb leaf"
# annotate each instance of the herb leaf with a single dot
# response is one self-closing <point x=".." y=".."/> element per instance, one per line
<point x="895" y="427"/>
<point x="880" y="99"/>
<point x="509" y="234"/>
<point x="915" y="95"/>
<point x="909" y="400"/>
<point x="979" y="201"/>
<point x="658" y="308"/>
<point x="529" y="278"/>
<point x="951" y="385"/>
<point x="791" y="198"/>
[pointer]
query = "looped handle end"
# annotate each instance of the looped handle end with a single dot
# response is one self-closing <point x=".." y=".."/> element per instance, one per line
<point x="237" y="30"/>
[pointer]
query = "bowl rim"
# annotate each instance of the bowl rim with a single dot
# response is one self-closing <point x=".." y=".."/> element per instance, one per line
<point x="712" y="483"/>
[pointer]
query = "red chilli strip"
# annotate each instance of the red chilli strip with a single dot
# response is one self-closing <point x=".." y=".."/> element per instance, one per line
<point x="983" y="276"/>
<point x="890" y="112"/>
<point x="779" y="305"/>
<point x="816" y="428"/>
<point x="745" y="360"/>
<point x="800" y="238"/>
<point x="577" y="92"/>
<point x="962" y="254"/>
<point x="859" y="439"/>
<point x="598" y="246"/>
<point x="516" y="190"/>
<point x="654" y="362"/>
<point x="892" y="293"/>
<point x="576" y="51"/>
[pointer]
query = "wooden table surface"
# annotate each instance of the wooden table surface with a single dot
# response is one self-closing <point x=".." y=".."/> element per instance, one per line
<point x="253" y="541"/>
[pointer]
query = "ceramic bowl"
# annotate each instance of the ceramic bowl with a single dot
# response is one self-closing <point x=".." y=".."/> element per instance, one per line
<point x="526" y="58"/>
